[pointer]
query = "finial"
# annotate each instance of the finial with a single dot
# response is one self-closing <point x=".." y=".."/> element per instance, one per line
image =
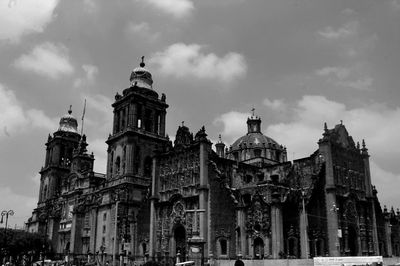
<point x="358" y="145"/>
<point x="252" y="111"/>
<point x="325" y="127"/>
<point x="142" y="64"/>
<point x="220" y="139"/>
<point x="183" y="123"/>
<point x="363" y="144"/>
<point x="341" y="122"/>
<point x="70" y="109"/>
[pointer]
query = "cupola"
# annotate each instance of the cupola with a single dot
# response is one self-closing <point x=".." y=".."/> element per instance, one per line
<point x="68" y="122"/>
<point x="141" y="77"/>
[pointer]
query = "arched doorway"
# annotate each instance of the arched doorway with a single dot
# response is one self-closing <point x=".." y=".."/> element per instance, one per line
<point x="258" y="248"/>
<point x="353" y="245"/>
<point x="180" y="242"/>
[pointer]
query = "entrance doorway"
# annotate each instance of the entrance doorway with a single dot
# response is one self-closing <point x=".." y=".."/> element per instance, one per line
<point x="258" y="248"/>
<point x="180" y="242"/>
<point x="353" y="241"/>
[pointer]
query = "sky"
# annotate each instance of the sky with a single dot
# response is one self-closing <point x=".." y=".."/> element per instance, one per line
<point x="299" y="63"/>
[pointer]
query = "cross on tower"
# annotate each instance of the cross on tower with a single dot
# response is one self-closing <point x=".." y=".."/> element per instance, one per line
<point x="252" y="111"/>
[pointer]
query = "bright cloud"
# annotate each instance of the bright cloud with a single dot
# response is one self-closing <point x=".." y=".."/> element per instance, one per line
<point x="233" y="124"/>
<point x="346" y="30"/>
<point x="176" y="8"/>
<point x="143" y="30"/>
<point x="18" y="18"/>
<point x="13" y="117"/>
<point x="362" y="84"/>
<point x="340" y="72"/>
<point x="47" y="59"/>
<point x="91" y="72"/>
<point x="181" y="61"/>
<point x="276" y="104"/>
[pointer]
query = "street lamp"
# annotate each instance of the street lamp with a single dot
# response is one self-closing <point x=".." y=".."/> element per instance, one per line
<point x="6" y="214"/>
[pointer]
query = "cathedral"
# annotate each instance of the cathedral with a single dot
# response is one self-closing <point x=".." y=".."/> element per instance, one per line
<point x="191" y="200"/>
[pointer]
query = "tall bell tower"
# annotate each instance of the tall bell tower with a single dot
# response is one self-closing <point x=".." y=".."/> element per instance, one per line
<point x="59" y="152"/>
<point x="138" y="128"/>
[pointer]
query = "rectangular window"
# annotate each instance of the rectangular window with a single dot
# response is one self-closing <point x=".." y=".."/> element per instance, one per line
<point x="104" y="216"/>
<point x="104" y="229"/>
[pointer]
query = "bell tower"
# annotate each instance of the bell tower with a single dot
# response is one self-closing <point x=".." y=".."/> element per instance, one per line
<point x="138" y="128"/>
<point x="59" y="152"/>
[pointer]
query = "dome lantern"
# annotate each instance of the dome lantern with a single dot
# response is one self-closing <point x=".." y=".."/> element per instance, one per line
<point x="141" y="77"/>
<point x="68" y="122"/>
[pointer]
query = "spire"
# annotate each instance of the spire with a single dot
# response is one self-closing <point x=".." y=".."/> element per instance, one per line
<point x="68" y="123"/>
<point x="70" y="109"/>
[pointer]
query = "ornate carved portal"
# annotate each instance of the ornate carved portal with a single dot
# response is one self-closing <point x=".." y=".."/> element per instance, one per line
<point x="351" y="230"/>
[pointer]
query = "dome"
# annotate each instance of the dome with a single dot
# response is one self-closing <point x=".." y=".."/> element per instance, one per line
<point x="255" y="147"/>
<point x="141" y="77"/>
<point x="255" y="140"/>
<point x="68" y="123"/>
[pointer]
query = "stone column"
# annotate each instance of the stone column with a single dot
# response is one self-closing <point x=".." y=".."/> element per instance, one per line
<point x="241" y="246"/>
<point x="305" y="248"/>
<point x="203" y="194"/>
<point x="330" y="199"/>
<point x="153" y="199"/>
<point x="388" y="235"/>
<point x="277" y="231"/>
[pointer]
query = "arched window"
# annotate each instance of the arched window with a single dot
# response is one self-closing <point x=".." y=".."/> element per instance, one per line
<point x="223" y="247"/>
<point x="137" y="159"/>
<point x="248" y="179"/>
<point x="111" y="162"/>
<point x="117" y="165"/>
<point x="124" y="160"/>
<point x="257" y="153"/>
<point x="147" y="166"/>
<point x="44" y="196"/>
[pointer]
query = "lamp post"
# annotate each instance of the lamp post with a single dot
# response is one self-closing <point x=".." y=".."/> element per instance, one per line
<point x="6" y="214"/>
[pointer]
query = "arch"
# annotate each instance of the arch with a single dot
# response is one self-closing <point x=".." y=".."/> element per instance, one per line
<point x="353" y="243"/>
<point x="258" y="245"/>
<point x="223" y="246"/>
<point x="117" y="165"/>
<point x="180" y="241"/>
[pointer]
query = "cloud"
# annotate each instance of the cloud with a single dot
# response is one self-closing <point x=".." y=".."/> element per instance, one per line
<point x="234" y="125"/>
<point x="355" y="77"/>
<point x="47" y="59"/>
<point x="183" y="61"/>
<point x="363" y="84"/>
<point x="142" y="30"/>
<point x="90" y="6"/>
<point x="346" y="30"/>
<point x="13" y="117"/>
<point x="91" y="72"/>
<point x="340" y="72"/>
<point x="276" y="104"/>
<point x="177" y="8"/>
<point x="19" y="18"/>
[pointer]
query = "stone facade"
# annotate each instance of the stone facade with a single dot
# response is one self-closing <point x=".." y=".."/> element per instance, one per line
<point x="186" y="201"/>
